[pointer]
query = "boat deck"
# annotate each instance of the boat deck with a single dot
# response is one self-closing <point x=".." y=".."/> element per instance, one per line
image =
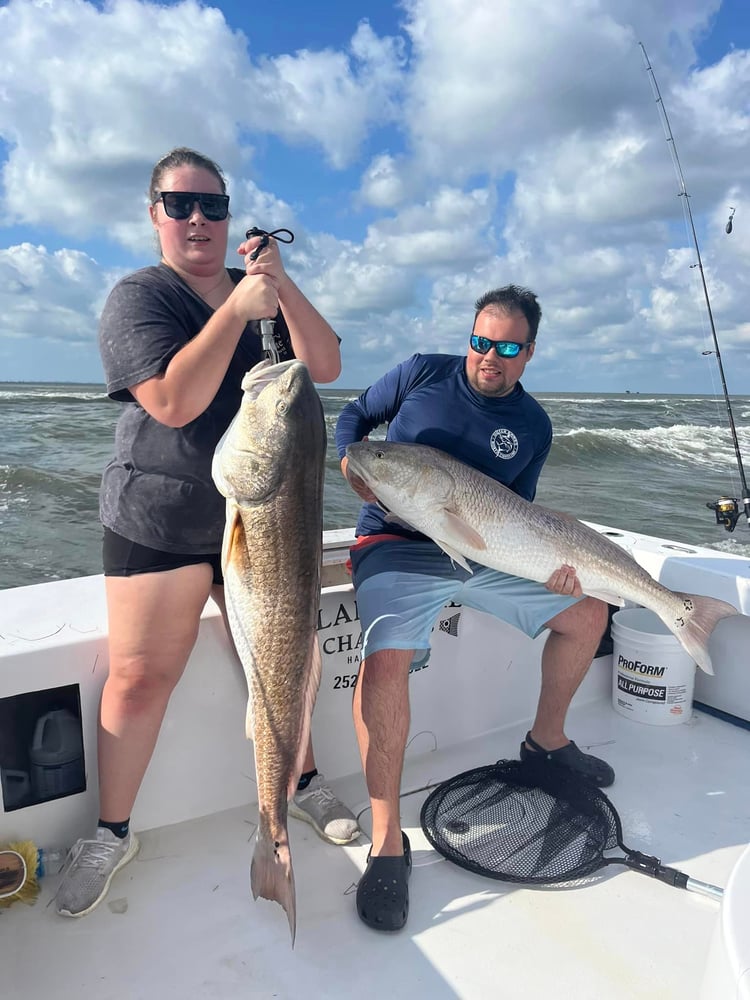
<point x="180" y="921"/>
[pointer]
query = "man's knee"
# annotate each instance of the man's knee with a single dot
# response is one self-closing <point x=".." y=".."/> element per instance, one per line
<point x="599" y="611"/>
<point x="588" y="616"/>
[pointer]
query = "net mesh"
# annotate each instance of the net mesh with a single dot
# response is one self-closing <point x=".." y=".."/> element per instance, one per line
<point x="522" y="822"/>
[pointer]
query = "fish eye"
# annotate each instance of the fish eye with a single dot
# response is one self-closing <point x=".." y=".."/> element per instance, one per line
<point x="281" y="407"/>
<point x="379" y="454"/>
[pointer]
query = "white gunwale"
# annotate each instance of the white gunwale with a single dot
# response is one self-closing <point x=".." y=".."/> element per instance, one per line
<point x="180" y="921"/>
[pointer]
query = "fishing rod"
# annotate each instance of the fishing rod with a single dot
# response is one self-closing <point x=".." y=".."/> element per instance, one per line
<point x="726" y="509"/>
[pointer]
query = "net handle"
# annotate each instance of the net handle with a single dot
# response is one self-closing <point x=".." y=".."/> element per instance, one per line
<point x="648" y="865"/>
<point x="704" y="888"/>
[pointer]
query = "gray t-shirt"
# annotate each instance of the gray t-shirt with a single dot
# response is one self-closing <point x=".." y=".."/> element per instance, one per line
<point x="157" y="490"/>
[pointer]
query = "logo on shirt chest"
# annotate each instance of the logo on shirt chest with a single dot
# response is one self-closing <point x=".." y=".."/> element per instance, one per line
<point x="504" y="443"/>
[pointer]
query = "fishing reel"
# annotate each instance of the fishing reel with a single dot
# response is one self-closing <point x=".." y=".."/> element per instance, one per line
<point x="727" y="511"/>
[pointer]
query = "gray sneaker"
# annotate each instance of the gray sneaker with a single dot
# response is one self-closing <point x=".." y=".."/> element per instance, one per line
<point x="318" y="806"/>
<point x="89" y="869"/>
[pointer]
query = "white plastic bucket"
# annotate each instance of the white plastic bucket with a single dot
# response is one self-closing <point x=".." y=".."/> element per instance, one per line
<point x="652" y="674"/>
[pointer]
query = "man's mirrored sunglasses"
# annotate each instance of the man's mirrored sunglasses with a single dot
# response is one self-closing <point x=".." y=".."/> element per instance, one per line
<point x="179" y="204"/>
<point x="504" y="348"/>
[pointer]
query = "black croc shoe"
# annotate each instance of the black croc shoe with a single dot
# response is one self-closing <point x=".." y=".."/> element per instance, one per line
<point x="383" y="893"/>
<point x="592" y="768"/>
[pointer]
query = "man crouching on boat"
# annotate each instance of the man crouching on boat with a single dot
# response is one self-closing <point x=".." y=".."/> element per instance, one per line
<point x="476" y="409"/>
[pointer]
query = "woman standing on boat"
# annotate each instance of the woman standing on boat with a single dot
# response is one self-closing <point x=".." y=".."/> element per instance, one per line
<point x="176" y="340"/>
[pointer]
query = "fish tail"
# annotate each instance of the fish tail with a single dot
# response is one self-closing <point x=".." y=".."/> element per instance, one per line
<point x="694" y="623"/>
<point x="271" y="874"/>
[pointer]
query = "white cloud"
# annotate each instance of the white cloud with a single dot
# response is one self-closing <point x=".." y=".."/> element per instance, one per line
<point x="125" y="84"/>
<point x="383" y="183"/>
<point x="54" y="299"/>
<point x="111" y="93"/>
<point x="330" y="97"/>
<point x="354" y="284"/>
<point x="492" y="78"/>
<point x="447" y="227"/>
<point x="492" y="141"/>
<point x="716" y="99"/>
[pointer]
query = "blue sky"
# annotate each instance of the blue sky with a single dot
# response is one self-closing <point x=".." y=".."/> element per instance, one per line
<point x="422" y="152"/>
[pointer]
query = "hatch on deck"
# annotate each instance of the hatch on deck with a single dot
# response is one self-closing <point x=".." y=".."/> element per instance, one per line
<point x="41" y="747"/>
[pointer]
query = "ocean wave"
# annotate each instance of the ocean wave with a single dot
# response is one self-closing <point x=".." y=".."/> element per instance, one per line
<point x="737" y="545"/>
<point x="10" y="494"/>
<point x="707" y="446"/>
<point x="25" y="482"/>
<point x="331" y="419"/>
<point x="545" y="398"/>
<point x="338" y="397"/>
<point x="14" y="398"/>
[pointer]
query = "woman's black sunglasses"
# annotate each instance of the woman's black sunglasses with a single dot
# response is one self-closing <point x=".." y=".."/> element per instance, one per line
<point x="179" y="204"/>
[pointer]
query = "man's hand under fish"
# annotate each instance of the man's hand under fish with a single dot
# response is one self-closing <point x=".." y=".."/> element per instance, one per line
<point x="359" y="486"/>
<point x="565" y="581"/>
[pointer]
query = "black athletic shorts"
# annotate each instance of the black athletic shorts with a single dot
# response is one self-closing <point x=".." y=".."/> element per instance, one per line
<point x="121" y="557"/>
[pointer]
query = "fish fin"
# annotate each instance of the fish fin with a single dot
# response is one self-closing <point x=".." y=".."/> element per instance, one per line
<point x="216" y="462"/>
<point x="606" y="596"/>
<point x="453" y="554"/>
<point x="311" y="693"/>
<point x="694" y="626"/>
<point x="457" y="527"/>
<point x="234" y="534"/>
<point x="271" y="874"/>
<point x="250" y="719"/>
<point x="463" y="530"/>
<point x="233" y="557"/>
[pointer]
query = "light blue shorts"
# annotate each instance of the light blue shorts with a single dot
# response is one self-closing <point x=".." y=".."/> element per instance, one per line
<point x="401" y="586"/>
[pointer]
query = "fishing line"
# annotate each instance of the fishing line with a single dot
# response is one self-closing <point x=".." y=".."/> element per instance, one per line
<point x="716" y="391"/>
<point x="694" y="285"/>
<point x="726" y="509"/>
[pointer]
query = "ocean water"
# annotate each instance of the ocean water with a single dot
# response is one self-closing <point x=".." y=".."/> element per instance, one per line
<point x="637" y="462"/>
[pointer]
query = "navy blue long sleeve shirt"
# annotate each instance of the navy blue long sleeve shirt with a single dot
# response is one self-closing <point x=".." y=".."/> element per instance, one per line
<point x="428" y="399"/>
